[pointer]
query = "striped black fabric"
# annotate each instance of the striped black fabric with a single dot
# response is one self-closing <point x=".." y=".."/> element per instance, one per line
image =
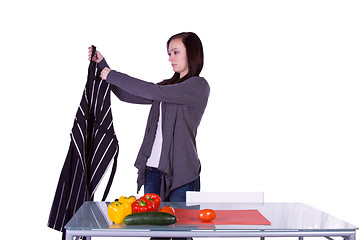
<point x="92" y="148"/>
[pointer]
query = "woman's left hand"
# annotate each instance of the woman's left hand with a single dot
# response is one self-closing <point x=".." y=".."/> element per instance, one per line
<point x="104" y="73"/>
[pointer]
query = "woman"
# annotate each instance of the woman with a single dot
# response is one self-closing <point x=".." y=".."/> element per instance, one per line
<point x="168" y="162"/>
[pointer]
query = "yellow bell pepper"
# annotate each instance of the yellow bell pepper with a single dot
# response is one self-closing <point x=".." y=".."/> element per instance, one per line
<point x="127" y="203"/>
<point x="120" y="208"/>
<point x="130" y="199"/>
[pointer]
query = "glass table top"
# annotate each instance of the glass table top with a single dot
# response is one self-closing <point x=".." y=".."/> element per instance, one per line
<point x="283" y="217"/>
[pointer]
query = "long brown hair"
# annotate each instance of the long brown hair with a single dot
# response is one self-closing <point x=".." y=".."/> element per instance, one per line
<point x="195" y="56"/>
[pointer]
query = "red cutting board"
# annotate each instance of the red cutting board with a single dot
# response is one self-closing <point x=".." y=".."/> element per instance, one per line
<point x="225" y="217"/>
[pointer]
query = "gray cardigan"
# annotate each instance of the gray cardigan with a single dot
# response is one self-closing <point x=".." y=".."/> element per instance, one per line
<point x="182" y="109"/>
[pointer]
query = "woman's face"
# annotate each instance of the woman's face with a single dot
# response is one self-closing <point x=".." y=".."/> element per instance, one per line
<point x="178" y="57"/>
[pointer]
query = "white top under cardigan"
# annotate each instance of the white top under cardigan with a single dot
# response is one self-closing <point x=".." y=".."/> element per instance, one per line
<point x="154" y="159"/>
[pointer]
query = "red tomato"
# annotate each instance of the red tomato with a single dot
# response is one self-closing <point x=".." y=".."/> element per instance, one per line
<point x="207" y="215"/>
<point x="168" y="209"/>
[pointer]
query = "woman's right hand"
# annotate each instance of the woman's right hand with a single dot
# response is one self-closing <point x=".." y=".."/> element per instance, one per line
<point x="97" y="56"/>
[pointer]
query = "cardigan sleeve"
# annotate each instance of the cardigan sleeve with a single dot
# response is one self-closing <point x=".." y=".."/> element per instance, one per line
<point x="120" y="93"/>
<point x="193" y="91"/>
<point x="128" y="97"/>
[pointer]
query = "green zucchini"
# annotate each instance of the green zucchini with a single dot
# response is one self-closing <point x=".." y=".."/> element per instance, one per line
<point x="150" y="218"/>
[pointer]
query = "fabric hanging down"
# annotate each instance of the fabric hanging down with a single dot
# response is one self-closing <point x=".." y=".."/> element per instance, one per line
<point x="92" y="148"/>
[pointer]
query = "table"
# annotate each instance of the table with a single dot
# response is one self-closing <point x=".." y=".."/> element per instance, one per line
<point x="287" y="220"/>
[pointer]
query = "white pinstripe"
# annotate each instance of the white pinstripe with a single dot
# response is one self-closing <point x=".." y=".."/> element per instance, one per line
<point x="58" y="208"/>
<point x="102" y="158"/>
<point x="93" y="192"/>
<point x="99" y="144"/>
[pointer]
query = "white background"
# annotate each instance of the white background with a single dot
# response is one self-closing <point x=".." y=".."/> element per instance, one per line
<point x="283" y="115"/>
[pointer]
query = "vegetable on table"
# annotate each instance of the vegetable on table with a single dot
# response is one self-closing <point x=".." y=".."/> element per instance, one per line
<point x="150" y="202"/>
<point x="129" y="200"/>
<point x="150" y="218"/>
<point x="120" y="208"/>
<point x="206" y="215"/>
<point x="143" y="205"/>
<point x="155" y="198"/>
<point x="168" y="209"/>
